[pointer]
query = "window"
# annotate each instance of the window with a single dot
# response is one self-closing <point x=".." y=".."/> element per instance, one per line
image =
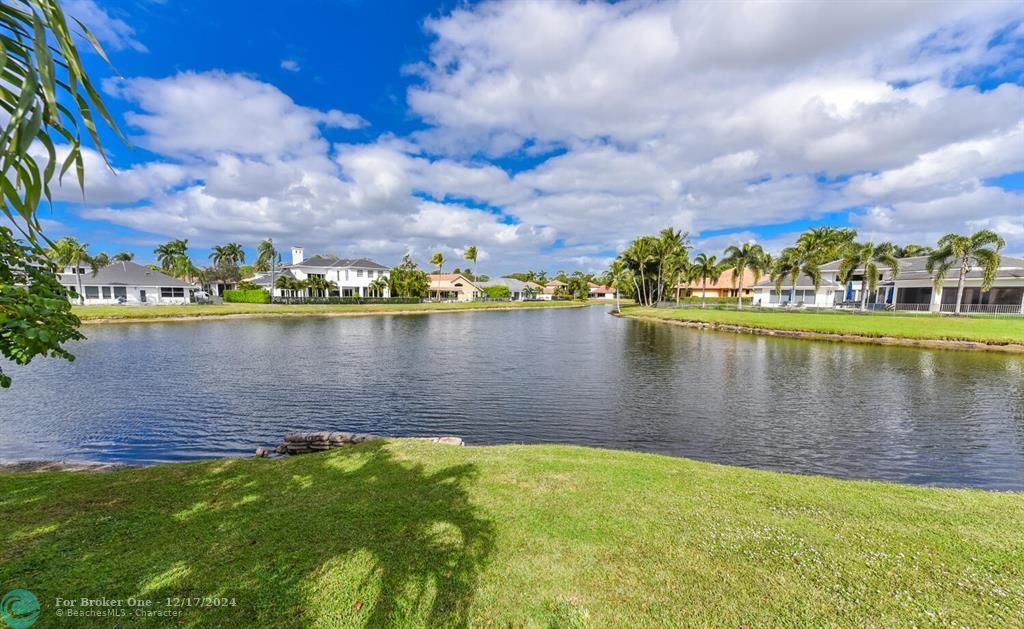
<point x="172" y="292"/>
<point x="106" y="292"/>
<point x="92" y="292"/>
<point x="359" y="273"/>
<point x="120" y="292"/>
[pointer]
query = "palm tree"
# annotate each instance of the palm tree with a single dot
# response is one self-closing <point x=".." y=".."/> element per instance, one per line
<point x="794" y="262"/>
<point x="705" y="267"/>
<point x="470" y="255"/>
<point x="673" y="259"/>
<point x="639" y="257"/>
<point x="101" y="259"/>
<point x="912" y="251"/>
<point x="438" y="260"/>
<point x="69" y="252"/>
<point x="231" y="254"/>
<point x="124" y="256"/>
<point x="378" y="286"/>
<point x="167" y="253"/>
<point x="183" y="269"/>
<point x="266" y="260"/>
<point x="741" y="259"/>
<point x="824" y="244"/>
<point x="981" y="248"/>
<point x="868" y="257"/>
<point x="615" y="273"/>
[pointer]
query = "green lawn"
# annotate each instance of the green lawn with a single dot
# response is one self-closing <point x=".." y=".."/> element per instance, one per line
<point x="87" y="313"/>
<point x="408" y="533"/>
<point x="910" y="326"/>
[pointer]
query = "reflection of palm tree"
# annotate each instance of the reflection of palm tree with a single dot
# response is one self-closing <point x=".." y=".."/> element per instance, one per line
<point x="982" y="247"/>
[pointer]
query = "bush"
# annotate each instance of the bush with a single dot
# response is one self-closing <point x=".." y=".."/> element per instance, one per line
<point x="347" y="300"/>
<point x="259" y="296"/>
<point x="497" y="292"/>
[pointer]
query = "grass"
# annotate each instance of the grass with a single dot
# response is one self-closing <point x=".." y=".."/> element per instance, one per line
<point x="909" y="326"/>
<point x="408" y="533"/>
<point x="87" y="313"/>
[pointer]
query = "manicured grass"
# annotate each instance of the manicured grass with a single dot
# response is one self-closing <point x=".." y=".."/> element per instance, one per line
<point x="910" y="326"/>
<point x="87" y="313"/>
<point x="409" y="533"/>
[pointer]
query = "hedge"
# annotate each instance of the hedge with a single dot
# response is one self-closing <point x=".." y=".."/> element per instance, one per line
<point x="347" y="300"/>
<point x="258" y="296"/>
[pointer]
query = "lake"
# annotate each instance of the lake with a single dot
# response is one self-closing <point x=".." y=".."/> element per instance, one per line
<point x="153" y="392"/>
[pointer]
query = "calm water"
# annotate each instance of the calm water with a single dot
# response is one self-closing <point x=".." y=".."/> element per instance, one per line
<point x="175" y="391"/>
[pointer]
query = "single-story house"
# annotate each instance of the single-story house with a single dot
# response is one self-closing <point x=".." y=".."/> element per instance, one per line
<point x="800" y="293"/>
<point x="352" y="277"/>
<point x="725" y="285"/>
<point x="518" y="290"/>
<point x="597" y="291"/>
<point x="127" y="283"/>
<point x="452" y="287"/>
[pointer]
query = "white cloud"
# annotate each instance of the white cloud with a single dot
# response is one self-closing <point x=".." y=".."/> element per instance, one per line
<point x="704" y="116"/>
<point x="291" y="65"/>
<point x="112" y="33"/>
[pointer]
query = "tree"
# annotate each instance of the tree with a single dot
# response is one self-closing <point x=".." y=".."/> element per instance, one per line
<point x="616" y="273"/>
<point x="820" y="245"/>
<point x="981" y="248"/>
<point x="168" y="253"/>
<point x="471" y="254"/>
<point x="741" y="259"/>
<point x="35" y="314"/>
<point x="912" y="251"/>
<point x="183" y="268"/>
<point x="231" y="254"/>
<point x="124" y="256"/>
<point x="101" y="259"/>
<point x="639" y="258"/>
<point x="498" y="291"/>
<point x="793" y="262"/>
<point x="288" y="283"/>
<point x="868" y="257"/>
<point x="69" y="252"/>
<point x="438" y="260"/>
<point x="319" y="285"/>
<point x="407" y="280"/>
<point x="704" y="268"/>
<point x="378" y="286"/>
<point x="46" y="95"/>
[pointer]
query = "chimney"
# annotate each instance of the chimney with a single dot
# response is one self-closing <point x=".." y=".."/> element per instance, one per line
<point x="297" y="255"/>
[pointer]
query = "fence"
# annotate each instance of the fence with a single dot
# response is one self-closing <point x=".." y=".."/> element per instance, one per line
<point x="346" y="300"/>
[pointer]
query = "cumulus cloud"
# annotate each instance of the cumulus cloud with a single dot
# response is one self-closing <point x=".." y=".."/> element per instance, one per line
<point x="112" y="33"/>
<point x="635" y="115"/>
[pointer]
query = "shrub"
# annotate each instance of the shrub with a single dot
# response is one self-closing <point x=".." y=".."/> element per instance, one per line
<point x="347" y="300"/>
<point x="259" y="296"/>
<point x="497" y="292"/>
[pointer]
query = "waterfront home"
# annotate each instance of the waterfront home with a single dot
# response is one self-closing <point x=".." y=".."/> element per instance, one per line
<point x="912" y="289"/>
<point x="725" y="285"/>
<point x="597" y="291"/>
<point x="452" y="287"/>
<point x="352" y="277"/>
<point x="518" y="290"/>
<point x="127" y="283"/>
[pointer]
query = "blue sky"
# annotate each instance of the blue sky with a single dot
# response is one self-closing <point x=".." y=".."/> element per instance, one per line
<point x="550" y="134"/>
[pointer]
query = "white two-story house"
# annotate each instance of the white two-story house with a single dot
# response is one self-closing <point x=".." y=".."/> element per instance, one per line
<point x="352" y="277"/>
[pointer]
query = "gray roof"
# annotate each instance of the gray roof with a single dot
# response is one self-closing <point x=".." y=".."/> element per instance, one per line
<point x="335" y="261"/>
<point x="125" y="274"/>
<point x="801" y="282"/>
<point x="513" y="284"/>
<point x="263" y="279"/>
<point x="1008" y="266"/>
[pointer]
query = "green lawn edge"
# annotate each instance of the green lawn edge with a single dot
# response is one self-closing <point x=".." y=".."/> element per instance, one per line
<point x="913" y="327"/>
<point x="410" y="533"/>
<point x="197" y="311"/>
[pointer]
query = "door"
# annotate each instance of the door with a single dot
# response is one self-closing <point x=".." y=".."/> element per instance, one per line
<point x="142" y="296"/>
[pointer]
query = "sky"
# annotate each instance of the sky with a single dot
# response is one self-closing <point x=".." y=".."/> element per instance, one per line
<point x="549" y="133"/>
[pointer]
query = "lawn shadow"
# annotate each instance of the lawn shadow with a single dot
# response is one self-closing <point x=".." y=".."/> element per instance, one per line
<point x="350" y="537"/>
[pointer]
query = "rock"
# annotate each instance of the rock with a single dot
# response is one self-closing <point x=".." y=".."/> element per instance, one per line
<point x="341" y="437"/>
<point x="262" y="452"/>
<point x="450" y="441"/>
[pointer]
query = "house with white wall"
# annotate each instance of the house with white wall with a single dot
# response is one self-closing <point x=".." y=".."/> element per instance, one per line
<point x="352" y="276"/>
<point x="518" y="290"/>
<point x="126" y="283"/>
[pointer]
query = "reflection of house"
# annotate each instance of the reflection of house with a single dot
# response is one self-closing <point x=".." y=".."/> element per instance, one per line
<point x="913" y="289"/>
<point x="518" y="290"/>
<point x="725" y="285"/>
<point x="352" y="277"/>
<point x="597" y="291"/>
<point x="127" y="283"/>
<point x="452" y="287"/>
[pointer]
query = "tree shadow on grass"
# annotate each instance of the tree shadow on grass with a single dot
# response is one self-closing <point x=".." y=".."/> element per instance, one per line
<point x="350" y="537"/>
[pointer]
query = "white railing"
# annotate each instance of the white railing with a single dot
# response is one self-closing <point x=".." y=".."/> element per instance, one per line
<point x="983" y="308"/>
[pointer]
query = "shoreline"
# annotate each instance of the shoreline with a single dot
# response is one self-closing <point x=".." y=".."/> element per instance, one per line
<point x="321" y="314"/>
<point x="835" y="337"/>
